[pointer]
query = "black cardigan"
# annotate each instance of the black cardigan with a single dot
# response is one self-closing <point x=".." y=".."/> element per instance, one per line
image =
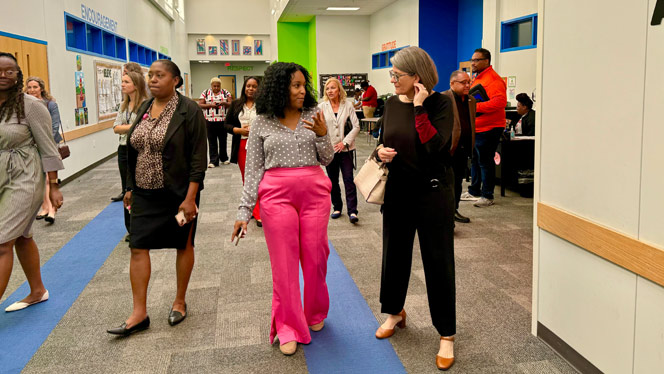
<point x="233" y="121"/>
<point x="184" y="153"/>
<point x="528" y="123"/>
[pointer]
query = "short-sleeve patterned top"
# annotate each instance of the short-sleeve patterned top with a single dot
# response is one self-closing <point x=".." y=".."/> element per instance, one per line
<point x="273" y="145"/>
<point x="148" y="140"/>
<point x="215" y="114"/>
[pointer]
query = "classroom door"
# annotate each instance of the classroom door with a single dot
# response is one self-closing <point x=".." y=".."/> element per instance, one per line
<point x="228" y="83"/>
<point x="31" y="57"/>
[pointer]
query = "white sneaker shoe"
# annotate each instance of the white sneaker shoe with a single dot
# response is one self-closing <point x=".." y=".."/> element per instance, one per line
<point x="226" y="162"/>
<point x="483" y="202"/>
<point x="468" y="197"/>
<point x="21" y="305"/>
<point x="211" y="165"/>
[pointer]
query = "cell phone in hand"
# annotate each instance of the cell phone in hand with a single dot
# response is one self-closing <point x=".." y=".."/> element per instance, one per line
<point x="238" y="236"/>
<point x="180" y="218"/>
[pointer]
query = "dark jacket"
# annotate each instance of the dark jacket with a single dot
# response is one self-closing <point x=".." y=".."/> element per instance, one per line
<point x="528" y="123"/>
<point x="233" y="121"/>
<point x="184" y="153"/>
<point x="456" y="131"/>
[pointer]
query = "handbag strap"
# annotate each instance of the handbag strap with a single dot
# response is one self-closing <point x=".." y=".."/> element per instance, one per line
<point x="62" y="132"/>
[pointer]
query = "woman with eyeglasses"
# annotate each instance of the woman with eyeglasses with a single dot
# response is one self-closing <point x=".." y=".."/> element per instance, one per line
<point x="36" y="87"/>
<point x="419" y="197"/>
<point x="27" y="151"/>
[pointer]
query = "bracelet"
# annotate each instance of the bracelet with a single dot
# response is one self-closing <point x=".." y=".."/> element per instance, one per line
<point x="54" y="182"/>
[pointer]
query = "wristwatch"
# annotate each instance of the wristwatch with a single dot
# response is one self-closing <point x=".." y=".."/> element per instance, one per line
<point x="346" y="145"/>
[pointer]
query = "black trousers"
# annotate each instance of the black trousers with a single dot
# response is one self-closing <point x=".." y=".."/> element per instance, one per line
<point x="122" y="165"/>
<point x="343" y="161"/>
<point x="408" y="209"/>
<point x="217" y="140"/>
<point x="459" y="165"/>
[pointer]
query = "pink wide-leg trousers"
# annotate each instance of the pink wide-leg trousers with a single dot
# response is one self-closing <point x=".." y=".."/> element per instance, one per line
<point x="295" y="205"/>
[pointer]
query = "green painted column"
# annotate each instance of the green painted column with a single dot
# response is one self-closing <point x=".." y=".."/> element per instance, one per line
<point x="297" y="43"/>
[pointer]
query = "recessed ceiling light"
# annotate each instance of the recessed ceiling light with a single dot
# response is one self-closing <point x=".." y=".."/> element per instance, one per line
<point x="343" y="8"/>
<point x="204" y="61"/>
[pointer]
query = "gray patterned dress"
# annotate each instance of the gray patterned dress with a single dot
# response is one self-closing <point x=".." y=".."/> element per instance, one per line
<point x="27" y="150"/>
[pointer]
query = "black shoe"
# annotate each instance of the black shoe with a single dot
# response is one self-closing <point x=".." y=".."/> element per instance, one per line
<point x="118" y="198"/>
<point x="128" y="237"/>
<point x="459" y="218"/>
<point x="353" y="218"/>
<point x="124" y="331"/>
<point x="259" y="223"/>
<point x="175" y="317"/>
<point x="41" y="216"/>
<point x="49" y="219"/>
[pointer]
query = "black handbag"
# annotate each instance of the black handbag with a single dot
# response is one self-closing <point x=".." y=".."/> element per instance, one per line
<point x="348" y="127"/>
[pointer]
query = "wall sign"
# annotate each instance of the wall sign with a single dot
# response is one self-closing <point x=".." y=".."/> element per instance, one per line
<point x="240" y="68"/>
<point x="98" y="19"/>
<point x="108" y="80"/>
<point x="389" y="45"/>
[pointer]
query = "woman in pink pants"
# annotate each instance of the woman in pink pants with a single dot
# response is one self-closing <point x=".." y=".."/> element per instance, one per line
<point x="287" y="144"/>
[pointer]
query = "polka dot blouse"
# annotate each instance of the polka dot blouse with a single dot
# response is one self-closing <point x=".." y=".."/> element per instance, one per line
<point x="273" y="145"/>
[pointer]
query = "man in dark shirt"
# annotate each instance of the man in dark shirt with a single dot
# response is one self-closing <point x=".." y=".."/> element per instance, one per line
<point x="463" y="134"/>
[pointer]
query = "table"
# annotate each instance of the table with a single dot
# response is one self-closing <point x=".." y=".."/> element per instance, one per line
<point x="371" y="122"/>
<point x="515" y="154"/>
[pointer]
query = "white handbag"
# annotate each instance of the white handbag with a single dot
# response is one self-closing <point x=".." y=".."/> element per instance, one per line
<point x="371" y="180"/>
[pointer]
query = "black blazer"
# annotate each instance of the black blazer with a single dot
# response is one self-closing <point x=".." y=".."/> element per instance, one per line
<point x="184" y="153"/>
<point x="233" y="121"/>
<point x="528" y="123"/>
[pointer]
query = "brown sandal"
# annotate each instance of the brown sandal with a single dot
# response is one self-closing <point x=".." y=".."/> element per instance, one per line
<point x="444" y="363"/>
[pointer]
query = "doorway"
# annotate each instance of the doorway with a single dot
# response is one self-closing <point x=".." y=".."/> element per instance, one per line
<point x="228" y="83"/>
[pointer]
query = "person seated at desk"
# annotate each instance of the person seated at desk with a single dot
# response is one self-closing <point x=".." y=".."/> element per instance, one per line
<point x="357" y="100"/>
<point x="526" y="124"/>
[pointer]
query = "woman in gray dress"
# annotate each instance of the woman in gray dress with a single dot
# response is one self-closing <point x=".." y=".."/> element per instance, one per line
<point x="27" y="150"/>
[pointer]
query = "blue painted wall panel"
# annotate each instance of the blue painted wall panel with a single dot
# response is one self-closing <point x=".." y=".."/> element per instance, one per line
<point x="469" y="28"/>
<point x="438" y="34"/>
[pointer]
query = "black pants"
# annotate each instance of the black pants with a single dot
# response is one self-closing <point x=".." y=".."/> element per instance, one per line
<point x="459" y="165"/>
<point x="122" y="165"/>
<point x="217" y="136"/>
<point x="343" y="161"/>
<point x="428" y="211"/>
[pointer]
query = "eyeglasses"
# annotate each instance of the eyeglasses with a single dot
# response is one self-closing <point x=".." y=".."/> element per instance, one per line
<point x="9" y="73"/>
<point x="476" y="60"/>
<point x="466" y="82"/>
<point x="396" y="76"/>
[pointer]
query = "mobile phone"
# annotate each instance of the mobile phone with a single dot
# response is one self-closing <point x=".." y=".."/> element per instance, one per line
<point x="180" y="218"/>
<point x="238" y="236"/>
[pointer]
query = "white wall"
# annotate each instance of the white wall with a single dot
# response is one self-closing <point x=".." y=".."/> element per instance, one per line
<point x="522" y="63"/>
<point x="602" y="161"/>
<point x="399" y="21"/>
<point x="138" y="20"/>
<point x="213" y="40"/>
<point x="228" y="17"/>
<point x="202" y="73"/>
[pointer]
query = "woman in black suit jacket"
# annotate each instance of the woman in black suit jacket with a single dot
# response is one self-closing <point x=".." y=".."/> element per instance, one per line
<point x="526" y="124"/>
<point x="166" y="151"/>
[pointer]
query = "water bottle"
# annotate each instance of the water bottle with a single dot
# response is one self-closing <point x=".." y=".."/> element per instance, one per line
<point x="511" y="133"/>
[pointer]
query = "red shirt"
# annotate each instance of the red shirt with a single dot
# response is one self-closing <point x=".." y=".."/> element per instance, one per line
<point x="492" y="111"/>
<point x="371" y="93"/>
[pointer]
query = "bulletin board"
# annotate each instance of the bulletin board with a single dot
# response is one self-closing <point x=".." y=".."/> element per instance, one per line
<point x="348" y="81"/>
<point x="108" y="82"/>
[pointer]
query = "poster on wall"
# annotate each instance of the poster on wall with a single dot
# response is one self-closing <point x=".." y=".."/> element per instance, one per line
<point x="258" y="47"/>
<point x="246" y="50"/>
<point x="212" y="50"/>
<point x="80" y="89"/>
<point x="200" y="46"/>
<point x="511" y="81"/>
<point x="236" y="47"/>
<point x="108" y="81"/>
<point x="223" y="47"/>
<point x="78" y="63"/>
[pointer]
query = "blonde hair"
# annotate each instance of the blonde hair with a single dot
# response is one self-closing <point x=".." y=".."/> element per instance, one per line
<point x="215" y="80"/>
<point x="415" y="60"/>
<point x="42" y="86"/>
<point x="141" y="93"/>
<point x="342" y="92"/>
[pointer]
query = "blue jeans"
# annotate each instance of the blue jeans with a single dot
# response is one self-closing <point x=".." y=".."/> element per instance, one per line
<point x="483" y="167"/>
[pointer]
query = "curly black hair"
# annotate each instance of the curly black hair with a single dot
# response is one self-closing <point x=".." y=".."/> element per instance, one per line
<point x="274" y="93"/>
<point x="14" y="103"/>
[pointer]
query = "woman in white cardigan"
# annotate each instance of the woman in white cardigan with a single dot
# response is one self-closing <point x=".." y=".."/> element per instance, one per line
<point x="337" y="111"/>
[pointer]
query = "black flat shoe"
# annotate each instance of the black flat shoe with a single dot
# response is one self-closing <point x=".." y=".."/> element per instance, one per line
<point x="460" y="218"/>
<point x="49" y="219"/>
<point x="118" y="198"/>
<point x="41" y="216"/>
<point x="175" y="317"/>
<point x="124" y="331"/>
<point x="259" y="223"/>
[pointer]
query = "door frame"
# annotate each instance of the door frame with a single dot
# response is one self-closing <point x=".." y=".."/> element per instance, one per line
<point x="234" y="78"/>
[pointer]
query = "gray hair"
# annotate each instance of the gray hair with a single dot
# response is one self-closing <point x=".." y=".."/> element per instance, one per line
<point x="457" y="73"/>
<point x="415" y="60"/>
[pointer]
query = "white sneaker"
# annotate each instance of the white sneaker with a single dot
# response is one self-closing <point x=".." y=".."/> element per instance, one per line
<point x="211" y="165"/>
<point x="226" y="162"/>
<point x="468" y="197"/>
<point x="21" y="305"/>
<point x="483" y="202"/>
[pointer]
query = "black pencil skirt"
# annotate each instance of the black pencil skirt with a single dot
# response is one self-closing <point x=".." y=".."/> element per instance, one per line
<point x="153" y="224"/>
